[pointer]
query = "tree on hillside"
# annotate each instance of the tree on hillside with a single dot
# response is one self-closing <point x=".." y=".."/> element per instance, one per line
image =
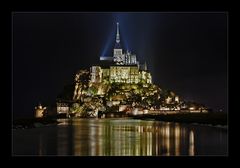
<point x="82" y="82"/>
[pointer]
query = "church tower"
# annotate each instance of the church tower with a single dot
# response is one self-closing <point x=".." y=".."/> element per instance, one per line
<point x="118" y="56"/>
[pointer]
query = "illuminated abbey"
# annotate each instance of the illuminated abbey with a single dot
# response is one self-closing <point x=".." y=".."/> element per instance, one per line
<point x="121" y="68"/>
<point x="121" y="84"/>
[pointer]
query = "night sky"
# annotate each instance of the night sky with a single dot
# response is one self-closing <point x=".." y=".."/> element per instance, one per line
<point x="185" y="52"/>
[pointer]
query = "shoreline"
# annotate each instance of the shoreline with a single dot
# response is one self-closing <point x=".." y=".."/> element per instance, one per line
<point x="211" y="119"/>
<point x="206" y="119"/>
<point x="33" y="122"/>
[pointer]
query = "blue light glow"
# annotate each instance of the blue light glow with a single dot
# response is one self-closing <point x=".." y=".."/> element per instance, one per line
<point x="107" y="48"/>
<point x="118" y="17"/>
<point x="123" y="26"/>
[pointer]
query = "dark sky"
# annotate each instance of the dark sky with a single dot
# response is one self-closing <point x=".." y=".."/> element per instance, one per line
<point x="185" y="52"/>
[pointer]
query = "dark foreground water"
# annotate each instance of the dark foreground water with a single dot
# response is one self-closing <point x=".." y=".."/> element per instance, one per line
<point x="120" y="137"/>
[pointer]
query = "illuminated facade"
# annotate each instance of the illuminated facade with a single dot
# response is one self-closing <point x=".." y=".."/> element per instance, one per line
<point x="62" y="108"/>
<point x="96" y="74"/>
<point x="124" y="67"/>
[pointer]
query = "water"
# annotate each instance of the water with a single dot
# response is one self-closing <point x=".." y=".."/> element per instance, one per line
<point x="120" y="137"/>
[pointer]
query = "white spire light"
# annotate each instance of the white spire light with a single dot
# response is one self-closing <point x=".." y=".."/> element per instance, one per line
<point x="118" y="35"/>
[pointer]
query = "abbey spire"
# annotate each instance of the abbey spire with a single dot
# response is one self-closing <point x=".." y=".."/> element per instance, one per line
<point x="117" y="44"/>
<point x="117" y="35"/>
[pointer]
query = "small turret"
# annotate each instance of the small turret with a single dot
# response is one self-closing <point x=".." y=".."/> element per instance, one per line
<point x="145" y="66"/>
<point x="39" y="111"/>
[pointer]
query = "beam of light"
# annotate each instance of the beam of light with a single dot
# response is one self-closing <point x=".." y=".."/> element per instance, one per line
<point x="124" y="41"/>
<point x="122" y="18"/>
<point x="106" y="52"/>
<point x="125" y="36"/>
<point x="110" y="43"/>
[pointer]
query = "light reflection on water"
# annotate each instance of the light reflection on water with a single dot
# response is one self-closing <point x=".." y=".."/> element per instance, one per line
<point x="121" y="137"/>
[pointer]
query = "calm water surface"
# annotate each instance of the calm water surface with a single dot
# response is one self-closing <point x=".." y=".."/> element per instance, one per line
<point x="120" y="137"/>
